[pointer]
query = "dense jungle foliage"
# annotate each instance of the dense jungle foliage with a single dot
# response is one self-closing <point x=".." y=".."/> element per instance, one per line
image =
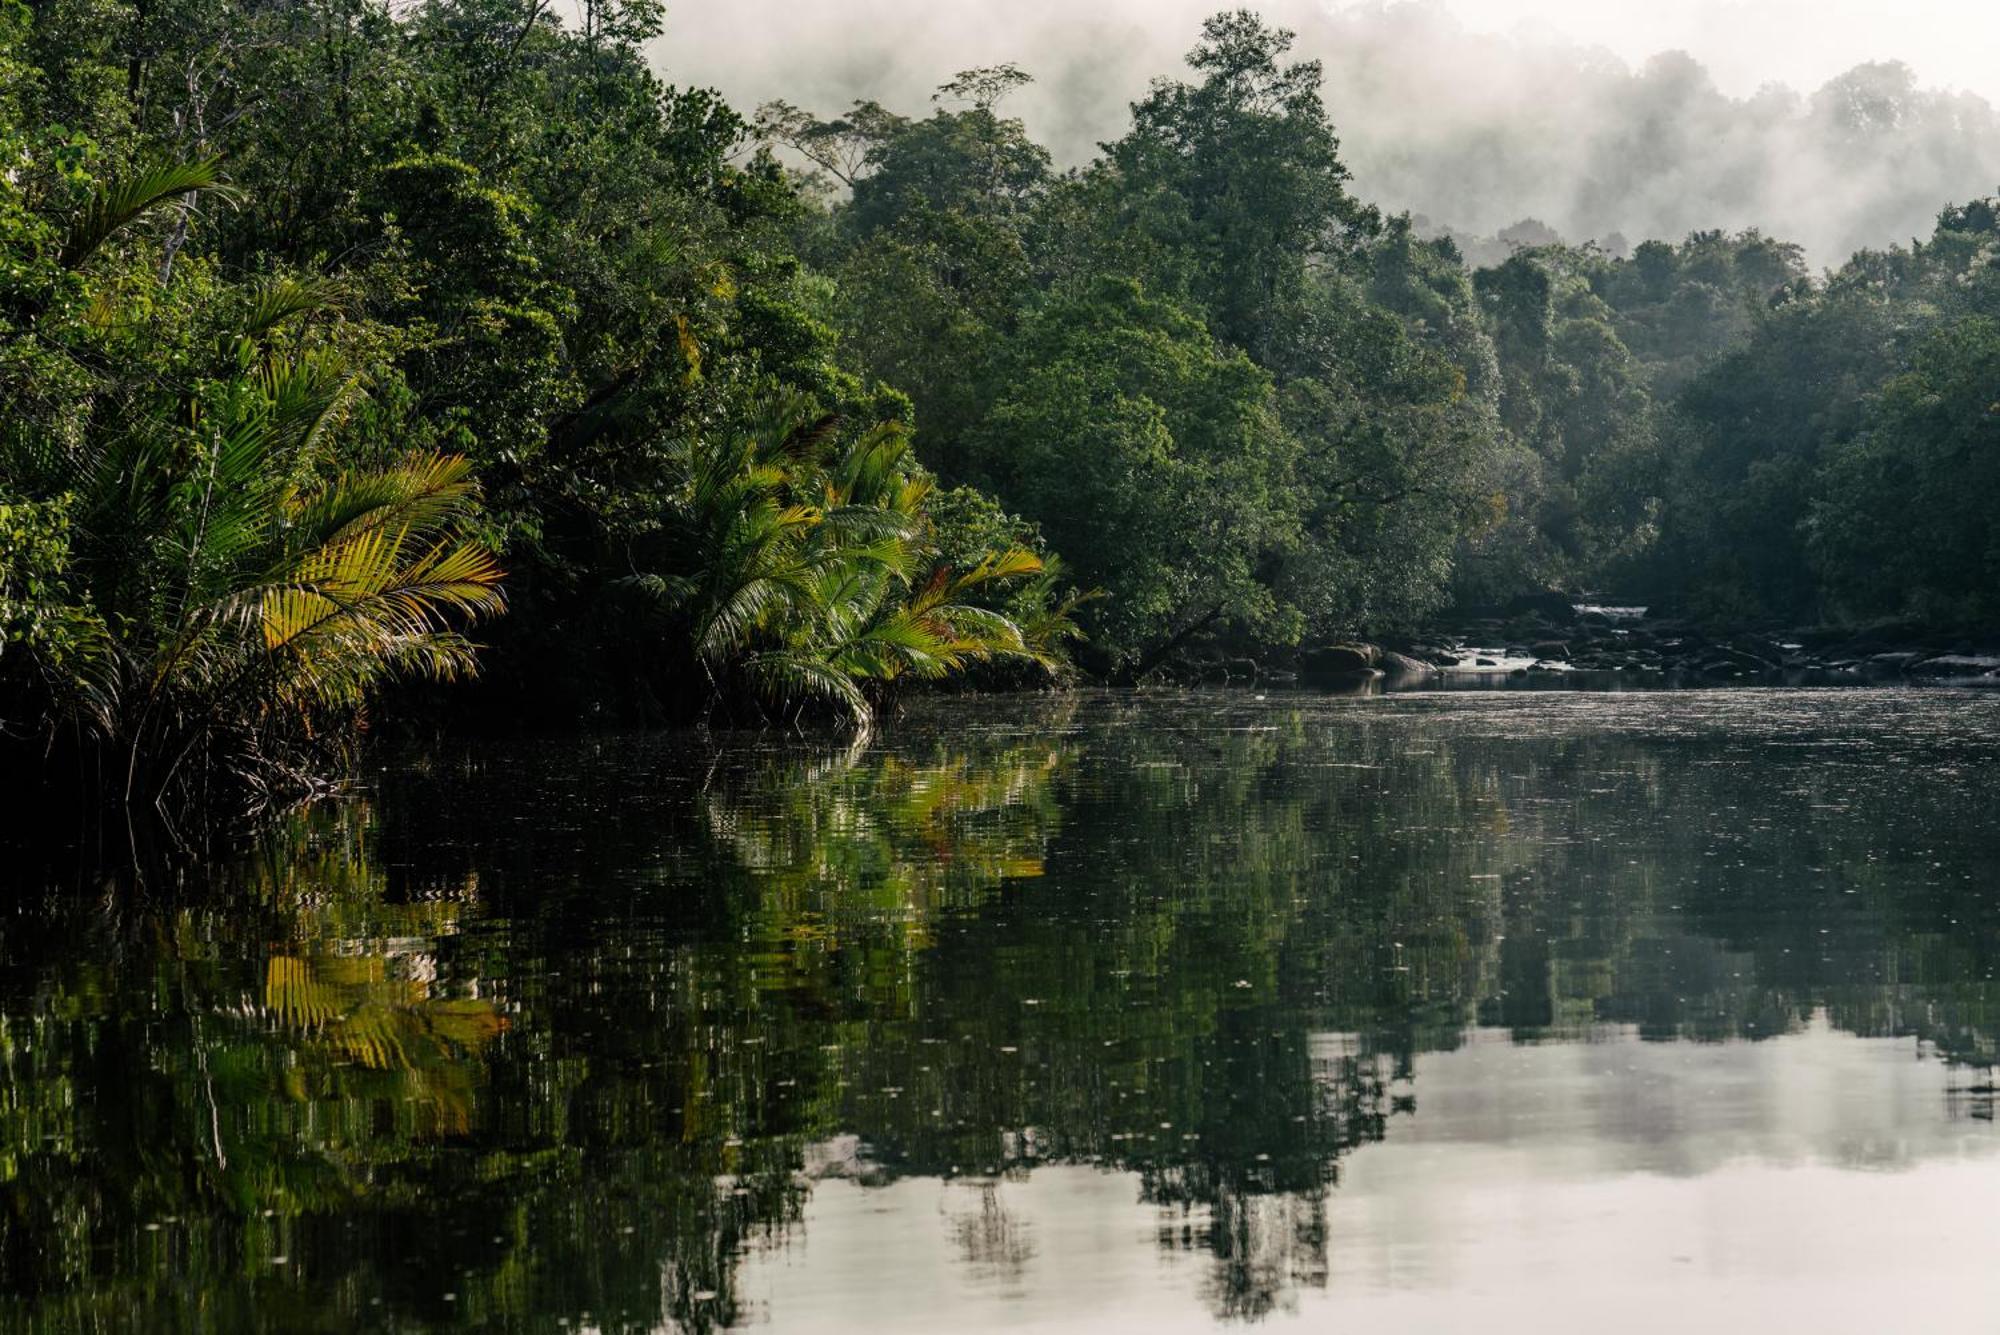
<point x="315" y="318"/>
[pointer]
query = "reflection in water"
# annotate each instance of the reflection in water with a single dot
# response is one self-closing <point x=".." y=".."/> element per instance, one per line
<point x="608" y="1032"/>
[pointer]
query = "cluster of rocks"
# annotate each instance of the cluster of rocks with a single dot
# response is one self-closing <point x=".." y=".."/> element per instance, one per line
<point x="1550" y="636"/>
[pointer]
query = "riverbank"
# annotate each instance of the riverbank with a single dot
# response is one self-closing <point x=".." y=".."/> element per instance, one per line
<point x="1604" y="644"/>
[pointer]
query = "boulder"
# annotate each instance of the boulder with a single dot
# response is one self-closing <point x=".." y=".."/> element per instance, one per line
<point x="1954" y="666"/>
<point x="1339" y="660"/>
<point x="1746" y="661"/>
<point x="1404" y="666"/>
<point x="1549" y="649"/>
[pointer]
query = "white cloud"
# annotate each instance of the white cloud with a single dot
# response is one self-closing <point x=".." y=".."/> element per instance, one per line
<point x="1747" y="43"/>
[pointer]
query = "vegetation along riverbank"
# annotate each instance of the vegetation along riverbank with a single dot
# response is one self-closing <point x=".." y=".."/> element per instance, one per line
<point x="348" y="349"/>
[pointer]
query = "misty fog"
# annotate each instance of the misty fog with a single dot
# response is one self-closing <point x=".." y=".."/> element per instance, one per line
<point x="1475" y="132"/>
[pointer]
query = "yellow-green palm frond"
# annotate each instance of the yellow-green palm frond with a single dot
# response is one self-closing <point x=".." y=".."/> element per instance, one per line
<point x="304" y="396"/>
<point x="1050" y="622"/>
<point x="902" y="643"/>
<point x="912" y="496"/>
<point x="372" y="582"/>
<point x="272" y="301"/>
<point x="867" y="523"/>
<point x="1014" y="563"/>
<point x="118" y="203"/>
<point x="730" y="625"/>
<point x="791" y="561"/>
<point x="418" y="494"/>
<point x="873" y="470"/>
<point x="982" y="631"/>
<point x="294" y="995"/>
<point x="786" y="678"/>
<point x="379" y="584"/>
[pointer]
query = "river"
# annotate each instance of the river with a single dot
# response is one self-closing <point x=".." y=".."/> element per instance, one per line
<point x="1509" y="1011"/>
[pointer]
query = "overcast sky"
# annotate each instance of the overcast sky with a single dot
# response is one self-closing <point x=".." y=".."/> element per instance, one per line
<point x="1746" y="43"/>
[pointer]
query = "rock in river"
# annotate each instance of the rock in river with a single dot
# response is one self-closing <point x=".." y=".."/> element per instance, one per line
<point x="1339" y="660"/>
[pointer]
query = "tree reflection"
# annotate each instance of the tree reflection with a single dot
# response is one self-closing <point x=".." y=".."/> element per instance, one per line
<point x="573" y="1054"/>
<point x="186" y="1084"/>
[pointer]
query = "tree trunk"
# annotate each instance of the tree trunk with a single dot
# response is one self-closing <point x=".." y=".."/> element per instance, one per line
<point x="1135" y="673"/>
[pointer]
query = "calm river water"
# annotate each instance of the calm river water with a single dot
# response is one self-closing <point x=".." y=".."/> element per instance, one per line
<point x="1496" y="1011"/>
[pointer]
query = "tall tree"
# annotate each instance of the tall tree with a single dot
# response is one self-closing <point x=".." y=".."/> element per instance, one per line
<point x="1230" y="190"/>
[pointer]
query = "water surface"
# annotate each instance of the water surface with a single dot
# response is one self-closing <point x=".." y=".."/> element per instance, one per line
<point x="1531" y="1011"/>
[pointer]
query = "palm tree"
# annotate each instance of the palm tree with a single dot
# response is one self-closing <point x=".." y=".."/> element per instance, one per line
<point x="806" y="580"/>
<point x="241" y="592"/>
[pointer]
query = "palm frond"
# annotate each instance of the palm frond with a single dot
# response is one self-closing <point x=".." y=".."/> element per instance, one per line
<point x="274" y="300"/>
<point x="1013" y="563"/>
<point x="119" y="203"/>
<point x="788" y="678"/>
<point x="307" y="394"/>
<point x="418" y="493"/>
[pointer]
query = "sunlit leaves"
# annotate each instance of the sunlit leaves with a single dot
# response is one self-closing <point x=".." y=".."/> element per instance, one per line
<point x="800" y="570"/>
<point x="228" y="588"/>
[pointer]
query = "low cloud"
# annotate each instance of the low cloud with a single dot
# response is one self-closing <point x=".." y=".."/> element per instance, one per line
<point x="1473" y="130"/>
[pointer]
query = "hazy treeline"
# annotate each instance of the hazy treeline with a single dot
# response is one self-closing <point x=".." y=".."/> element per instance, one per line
<point x="319" y="319"/>
<point x="1695" y="421"/>
<point x="1473" y="131"/>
